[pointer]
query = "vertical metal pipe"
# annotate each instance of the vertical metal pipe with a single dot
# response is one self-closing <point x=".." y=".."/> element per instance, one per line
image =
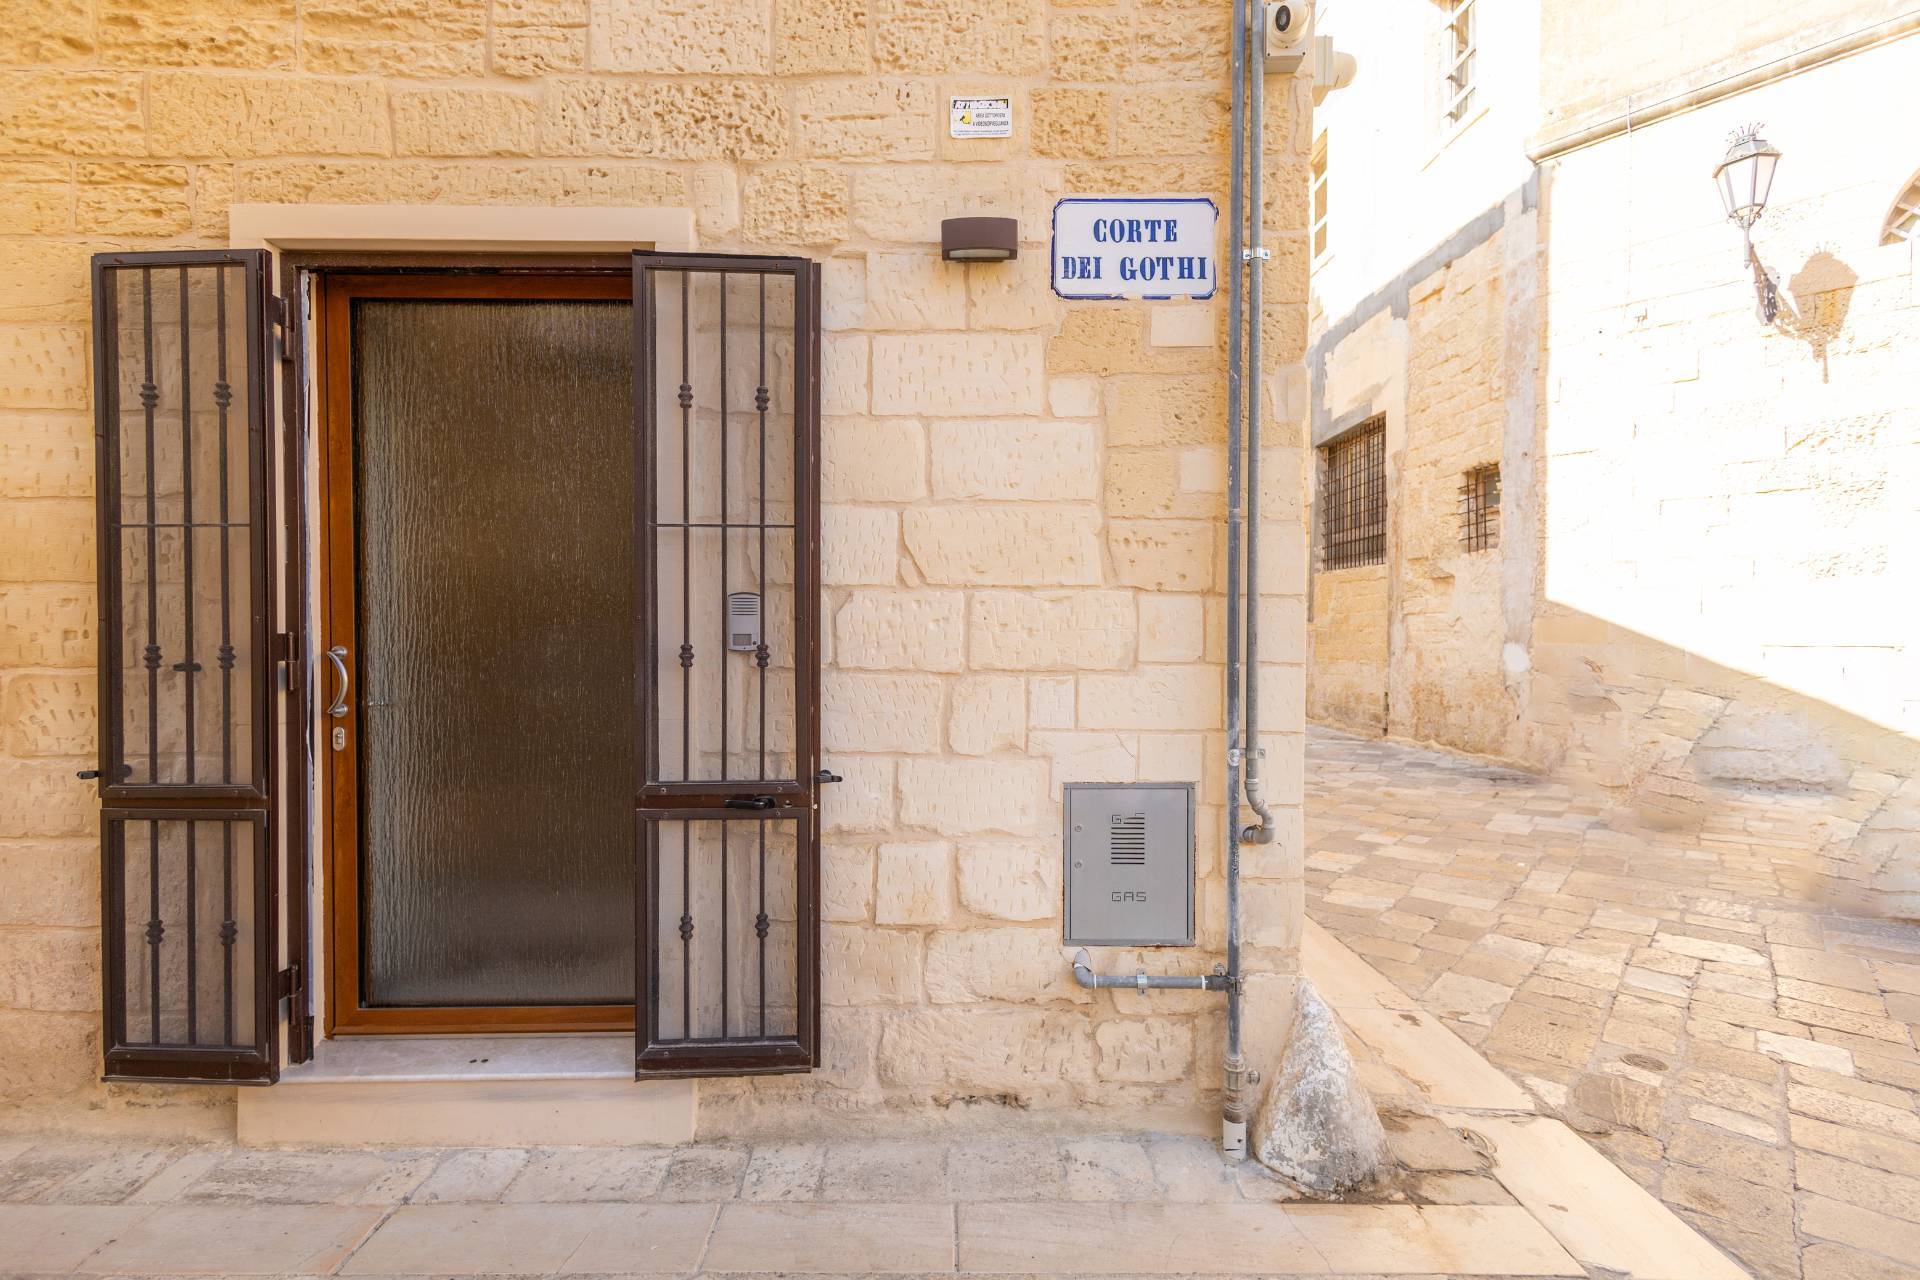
<point x="1262" y="831"/>
<point x="1233" y="1119"/>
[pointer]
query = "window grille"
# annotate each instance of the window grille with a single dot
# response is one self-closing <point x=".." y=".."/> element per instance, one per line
<point x="1462" y="50"/>
<point x="1480" y="508"/>
<point x="1354" y="506"/>
<point x="1319" y="180"/>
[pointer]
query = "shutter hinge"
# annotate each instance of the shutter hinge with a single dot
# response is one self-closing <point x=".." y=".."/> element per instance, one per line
<point x="283" y="320"/>
<point x="286" y="982"/>
<point x="283" y="649"/>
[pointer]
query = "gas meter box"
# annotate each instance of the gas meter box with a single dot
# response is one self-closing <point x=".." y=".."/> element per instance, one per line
<point x="1129" y="864"/>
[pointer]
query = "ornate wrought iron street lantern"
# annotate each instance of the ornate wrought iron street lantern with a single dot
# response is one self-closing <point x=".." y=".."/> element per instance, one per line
<point x="1745" y="177"/>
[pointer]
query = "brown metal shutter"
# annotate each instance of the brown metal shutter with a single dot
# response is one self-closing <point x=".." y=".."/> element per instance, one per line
<point x="189" y="897"/>
<point x="726" y="412"/>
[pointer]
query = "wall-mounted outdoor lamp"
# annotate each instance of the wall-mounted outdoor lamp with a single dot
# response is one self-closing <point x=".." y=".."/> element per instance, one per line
<point x="979" y="239"/>
<point x="1745" y="176"/>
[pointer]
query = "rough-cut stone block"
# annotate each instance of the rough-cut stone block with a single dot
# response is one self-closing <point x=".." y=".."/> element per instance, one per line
<point x="44" y="366"/>
<point x="901" y="631"/>
<point x="863" y="711"/>
<point x="1145" y="410"/>
<point x="865" y="119"/>
<point x="664" y="120"/>
<point x="437" y="38"/>
<point x="863" y="798"/>
<point x="906" y="205"/>
<point x="41" y="798"/>
<point x="989" y="715"/>
<point x="1015" y="459"/>
<point x="45" y="715"/>
<point x="1073" y="124"/>
<point x="682" y="37"/>
<point x="915" y="291"/>
<point x="1005" y="546"/>
<point x="859" y="546"/>
<point x="1152" y="698"/>
<point x="538" y="37"/>
<point x="50" y="882"/>
<point x="1022" y="966"/>
<point x="1111" y="339"/>
<point x="1050" y="702"/>
<point x="814" y="37"/>
<point x="872" y="460"/>
<point x="1148" y="483"/>
<point x="971" y="1050"/>
<point x="88" y="113"/>
<point x="465" y="122"/>
<point x="1172" y="122"/>
<point x="1074" y="397"/>
<point x="1162" y="555"/>
<point x="1010" y="881"/>
<point x="47" y="626"/>
<point x="471" y="182"/>
<point x="979" y="37"/>
<point x="861" y="965"/>
<point x="1018" y="295"/>
<point x="965" y="796"/>
<point x="795" y="204"/>
<point x="913" y="883"/>
<point x="843" y="375"/>
<point x="36" y="197"/>
<point x="234" y="34"/>
<point x="46" y="540"/>
<point x="846" y="881"/>
<point x="1145" y="1050"/>
<point x="1085" y="630"/>
<point x="1078" y="756"/>
<point x="133" y="199"/>
<point x="197" y="113"/>
<point x="48" y="1053"/>
<point x="47" y="33"/>
<point x="1172" y="628"/>
<point x="47" y="281"/>
<point x="55" y="970"/>
<point x="957" y="374"/>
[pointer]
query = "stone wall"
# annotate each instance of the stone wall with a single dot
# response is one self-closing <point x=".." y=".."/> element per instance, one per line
<point x="1024" y="498"/>
<point x="1692" y="589"/>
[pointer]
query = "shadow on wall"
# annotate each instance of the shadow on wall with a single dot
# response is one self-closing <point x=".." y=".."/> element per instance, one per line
<point x="1818" y="297"/>
<point x="1687" y="739"/>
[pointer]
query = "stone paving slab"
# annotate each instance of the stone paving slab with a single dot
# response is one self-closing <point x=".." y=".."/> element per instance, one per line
<point x="1671" y="983"/>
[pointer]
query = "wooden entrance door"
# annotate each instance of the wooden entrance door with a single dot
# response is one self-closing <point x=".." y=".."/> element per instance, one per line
<point x="476" y="680"/>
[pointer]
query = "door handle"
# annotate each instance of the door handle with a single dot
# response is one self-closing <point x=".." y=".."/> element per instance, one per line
<point x="337" y="656"/>
<point x="751" y="802"/>
<point x="827" y="775"/>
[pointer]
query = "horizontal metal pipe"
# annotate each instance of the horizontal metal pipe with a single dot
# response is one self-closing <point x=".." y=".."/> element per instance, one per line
<point x="1143" y="981"/>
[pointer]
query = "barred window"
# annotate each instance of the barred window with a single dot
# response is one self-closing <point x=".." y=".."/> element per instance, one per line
<point x="1480" y="508"/>
<point x="1462" y="49"/>
<point x="1353" y="472"/>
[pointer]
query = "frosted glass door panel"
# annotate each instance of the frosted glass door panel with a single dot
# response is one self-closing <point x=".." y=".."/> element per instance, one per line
<point x="494" y="510"/>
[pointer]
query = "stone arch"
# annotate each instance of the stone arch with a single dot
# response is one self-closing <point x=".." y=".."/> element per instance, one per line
<point x="1903" y="217"/>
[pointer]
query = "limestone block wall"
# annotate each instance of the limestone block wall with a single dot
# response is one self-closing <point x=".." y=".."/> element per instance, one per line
<point x="1701" y="512"/>
<point x="1023" y="548"/>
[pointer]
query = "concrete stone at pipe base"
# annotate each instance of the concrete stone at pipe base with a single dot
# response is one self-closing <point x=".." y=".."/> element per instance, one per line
<point x="1316" y="1125"/>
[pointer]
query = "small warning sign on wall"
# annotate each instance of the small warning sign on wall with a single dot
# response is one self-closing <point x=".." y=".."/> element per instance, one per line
<point x="980" y="117"/>
<point x="1134" y="247"/>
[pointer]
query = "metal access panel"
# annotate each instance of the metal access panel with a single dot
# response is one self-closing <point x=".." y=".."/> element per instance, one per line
<point x="1129" y="872"/>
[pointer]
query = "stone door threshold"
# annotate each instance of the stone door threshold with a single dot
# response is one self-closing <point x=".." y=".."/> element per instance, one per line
<point x="450" y="1059"/>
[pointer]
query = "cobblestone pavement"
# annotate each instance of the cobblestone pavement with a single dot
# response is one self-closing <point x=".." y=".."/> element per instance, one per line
<point x="1099" y="1206"/>
<point x="1663" y="981"/>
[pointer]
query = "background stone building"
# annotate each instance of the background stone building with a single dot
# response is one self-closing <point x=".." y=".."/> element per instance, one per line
<point x="1023" y="550"/>
<point x="1627" y="530"/>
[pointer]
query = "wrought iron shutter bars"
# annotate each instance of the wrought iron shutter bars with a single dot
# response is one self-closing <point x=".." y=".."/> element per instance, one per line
<point x="184" y="504"/>
<point x="727" y="416"/>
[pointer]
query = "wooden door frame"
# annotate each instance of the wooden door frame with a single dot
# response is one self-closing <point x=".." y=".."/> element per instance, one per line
<point x="336" y="554"/>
